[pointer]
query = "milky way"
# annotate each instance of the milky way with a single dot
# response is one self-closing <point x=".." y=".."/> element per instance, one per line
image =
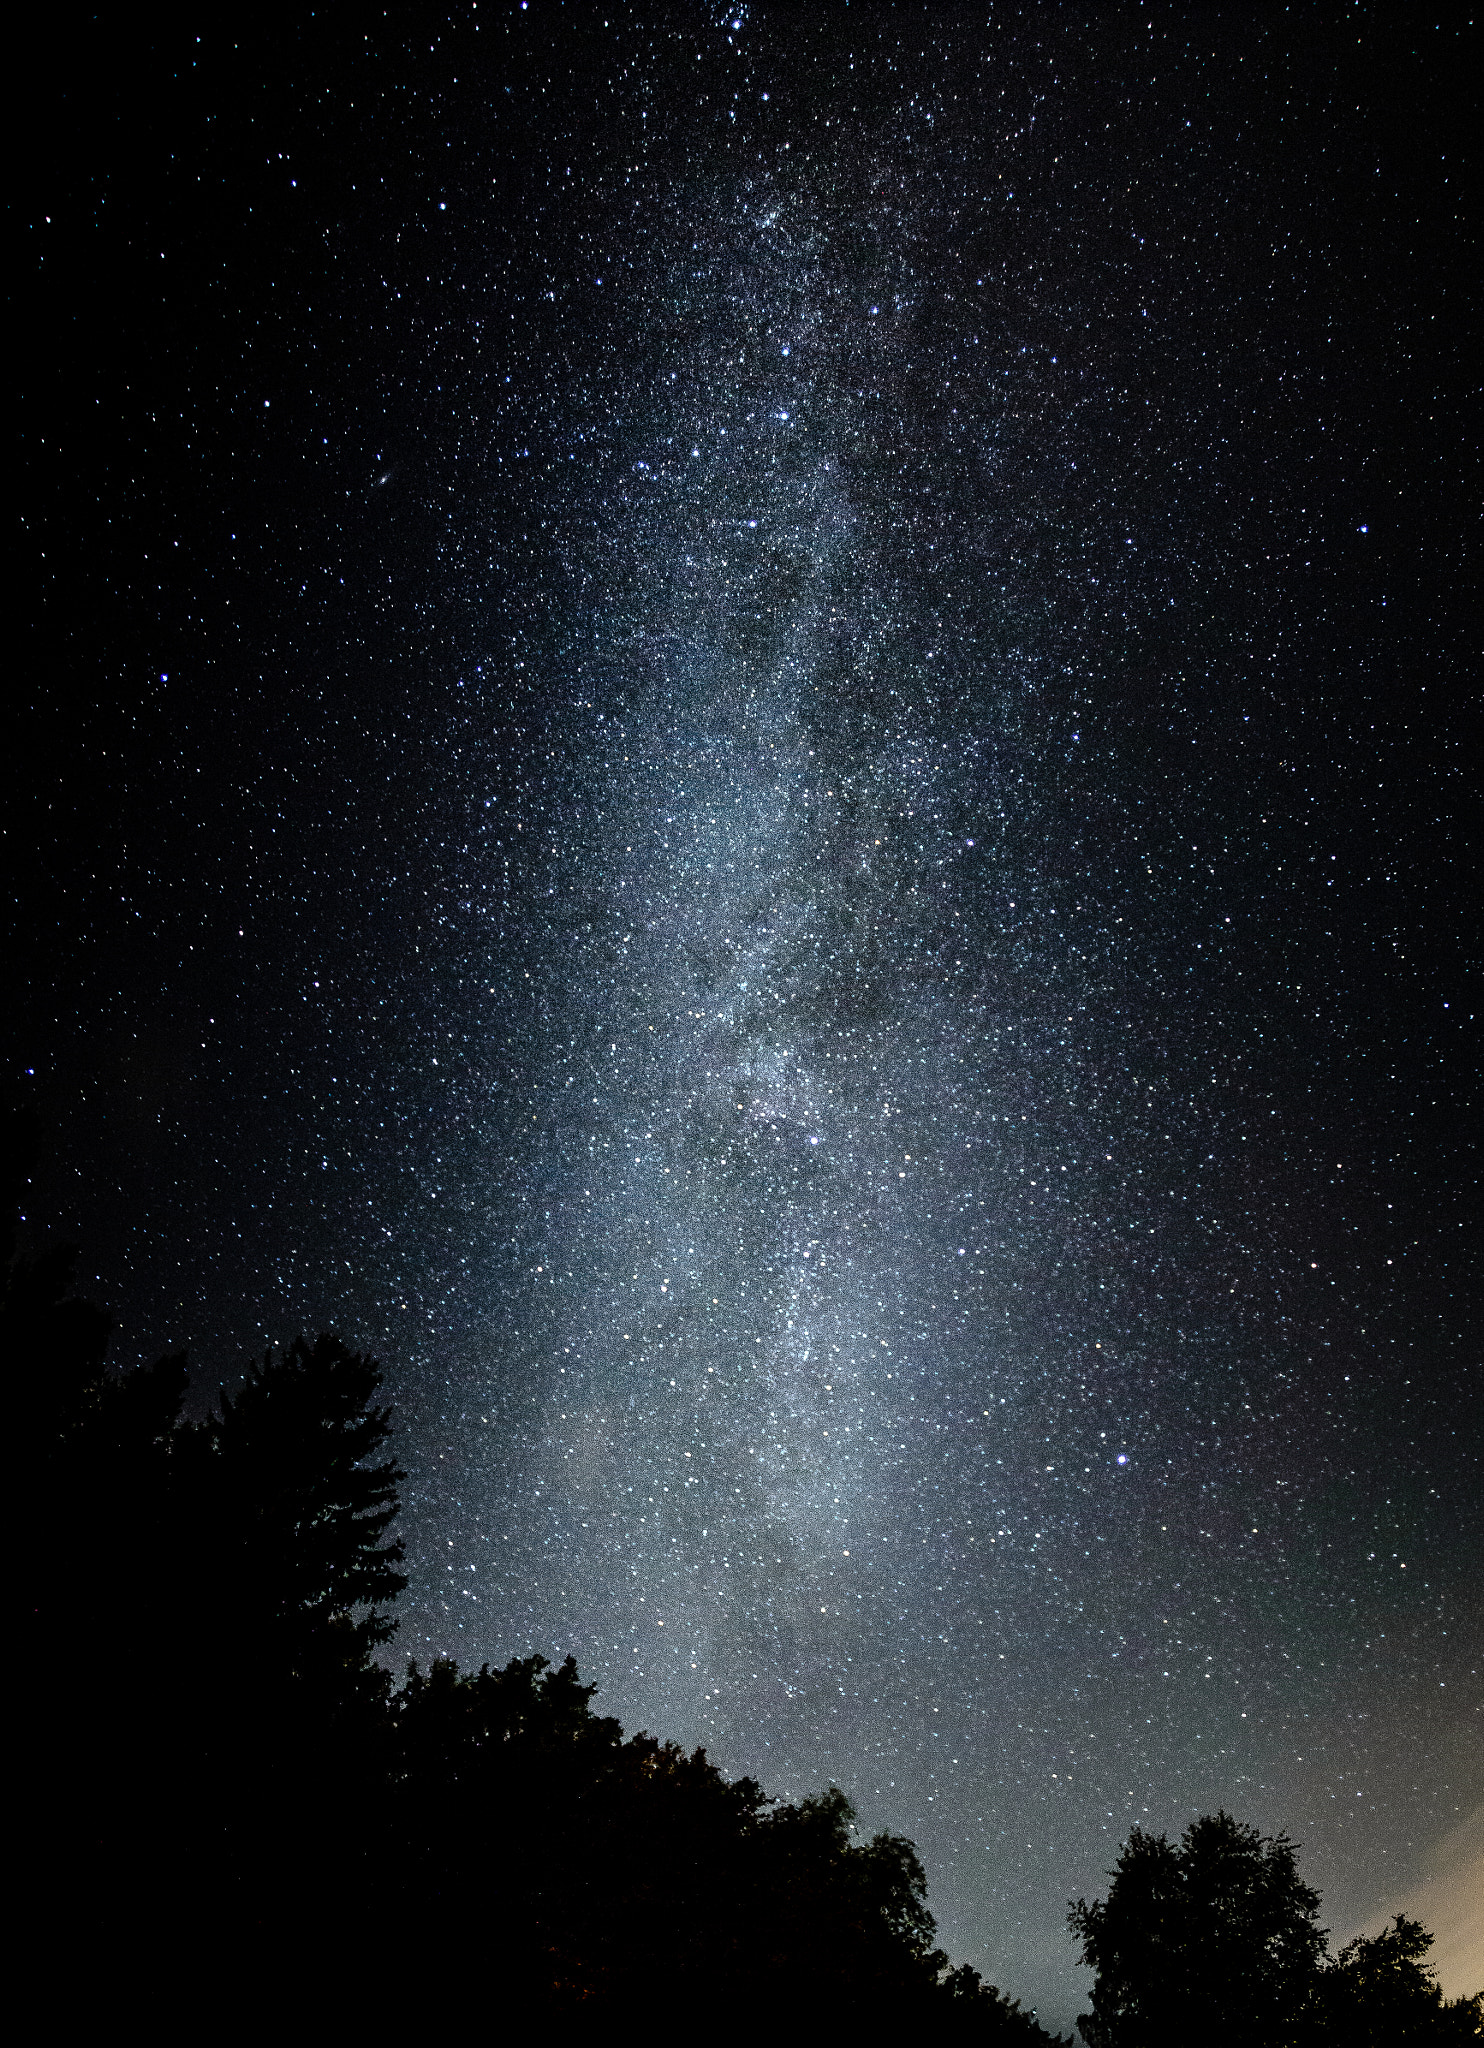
<point x="775" y="795"/>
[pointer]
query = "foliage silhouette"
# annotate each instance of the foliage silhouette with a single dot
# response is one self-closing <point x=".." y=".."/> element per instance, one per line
<point x="294" y="1515"/>
<point x="1218" y="1940"/>
<point x="214" y="1754"/>
<point x="1379" y="1993"/>
<point x="644" y="1877"/>
<point x="218" y="1765"/>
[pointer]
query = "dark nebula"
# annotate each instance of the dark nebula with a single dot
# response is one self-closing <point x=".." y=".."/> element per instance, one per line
<point x="745" y="732"/>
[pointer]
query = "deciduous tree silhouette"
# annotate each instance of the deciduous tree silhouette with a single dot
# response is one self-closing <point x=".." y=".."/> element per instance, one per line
<point x="1217" y="1941"/>
<point x="1380" y="1993"/>
<point x="629" y="1877"/>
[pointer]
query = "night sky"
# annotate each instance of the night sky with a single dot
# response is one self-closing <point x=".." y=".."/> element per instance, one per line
<point x="747" y="732"/>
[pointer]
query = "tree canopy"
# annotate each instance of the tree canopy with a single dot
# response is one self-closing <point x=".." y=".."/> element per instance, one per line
<point x="218" y="1757"/>
<point x="1380" y="1993"/>
<point x="642" y="1874"/>
<point x="1217" y="1939"/>
<point x="217" y="1765"/>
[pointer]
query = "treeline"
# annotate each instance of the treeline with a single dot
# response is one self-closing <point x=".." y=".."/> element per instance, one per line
<point x="1216" y="1941"/>
<point x="223" y="1795"/>
<point x="226" y="1796"/>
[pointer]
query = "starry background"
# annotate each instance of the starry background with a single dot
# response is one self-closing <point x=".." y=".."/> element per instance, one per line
<point x="747" y="735"/>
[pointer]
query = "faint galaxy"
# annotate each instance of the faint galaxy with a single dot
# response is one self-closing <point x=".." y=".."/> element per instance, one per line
<point x="747" y="736"/>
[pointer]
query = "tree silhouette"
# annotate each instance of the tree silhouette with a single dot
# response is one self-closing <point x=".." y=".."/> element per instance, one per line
<point x="216" y="1755"/>
<point x="213" y="1754"/>
<point x="92" y="1445"/>
<point x="202" y="1722"/>
<point x="1216" y="1940"/>
<point x="291" y="1514"/>
<point x="1379" y="1993"/>
<point x="279" y="1507"/>
<point x="627" y="1877"/>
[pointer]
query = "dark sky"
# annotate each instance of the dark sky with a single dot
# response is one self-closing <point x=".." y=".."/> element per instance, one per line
<point x="747" y="732"/>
